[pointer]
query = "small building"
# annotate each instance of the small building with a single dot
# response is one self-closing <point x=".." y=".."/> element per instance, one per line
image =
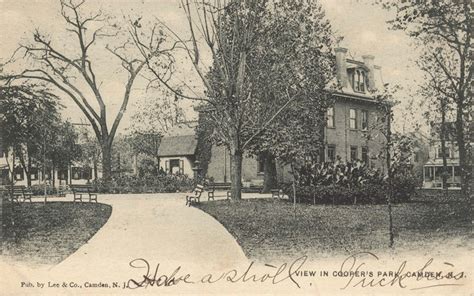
<point x="178" y="148"/>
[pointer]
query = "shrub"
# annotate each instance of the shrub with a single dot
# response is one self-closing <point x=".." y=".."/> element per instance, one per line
<point x="148" y="184"/>
<point x="38" y="189"/>
<point x="350" y="183"/>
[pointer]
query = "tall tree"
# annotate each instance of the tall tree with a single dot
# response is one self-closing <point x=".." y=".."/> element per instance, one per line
<point x="28" y="115"/>
<point x="443" y="31"/>
<point x="70" y="66"/>
<point x="229" y="31"/>
<point x="296" y="56"/>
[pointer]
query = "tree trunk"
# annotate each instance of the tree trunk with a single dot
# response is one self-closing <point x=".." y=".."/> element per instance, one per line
<point x="53" y="175"/>
<point x="26" y="169"/>
<point x="270" y="173"/>
<point x="106" y="163"/>
<point x="236" y="176"/>
<point x="95" y="170"/>
<point x="462" y="150"/>
<point x="389" y="173"/>
<point x="443" y="146"/>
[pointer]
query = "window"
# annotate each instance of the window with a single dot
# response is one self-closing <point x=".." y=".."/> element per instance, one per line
<point x="308" y="159"/>
<point x="439" y="153"/>
<point x="358" y="81"/>
<point x="365" y="155"/>
<point x="260" y="164"/>
<point x="330" y="117"/>
<point x="331" y="153"/>
<point x="86" y="173"/>
<point x="79" y="173"/>
<point x="352" y="119"/>
<point x="175" y="166"/>
<point x="76" y="173"/>
<point x="34" y="174"/>
<point x="19" y="174"/>
<point x="353" y="153"/>
<point x="4" y="176"/>
<point x="365" y="120"/>
<point x="438" y="174"/>
<point x="429" y="172"/>
<point x="47" y="174"/>
<point x="63" y="174"/>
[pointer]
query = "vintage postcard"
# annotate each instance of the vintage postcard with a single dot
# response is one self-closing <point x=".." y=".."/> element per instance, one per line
<point x="236" y="147"/>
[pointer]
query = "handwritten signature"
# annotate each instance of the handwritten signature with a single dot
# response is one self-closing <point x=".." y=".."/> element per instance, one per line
<point x="353" y="269"/>
<point x="284" y="272"/>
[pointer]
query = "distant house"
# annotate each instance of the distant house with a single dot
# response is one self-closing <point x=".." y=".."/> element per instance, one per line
<point x="178" y="148"/>
<point x="433" y="168"/>
<point x="75" y="173"/>
<point x="349" y="122"/>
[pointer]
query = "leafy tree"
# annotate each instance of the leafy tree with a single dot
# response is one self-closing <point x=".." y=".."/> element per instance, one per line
<point x="70" y="66"/>
<point x="442" y="30"/>
<point x="28" y="116"/>
<point x="296" y="55"/>
<point x="154" y="117"/>
<point x="60" y="147"/>
<point x="236" y="34"/>
<point x="229" y="31"/>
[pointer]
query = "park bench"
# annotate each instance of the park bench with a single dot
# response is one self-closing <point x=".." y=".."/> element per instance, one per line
<point x="62" y="190"/>
<point x="276" y="193"/>
<point x="17" y="193"/>
<point x="196" y="196"/>
<point x="79" y="190"/>
<point x="218" y="186"/>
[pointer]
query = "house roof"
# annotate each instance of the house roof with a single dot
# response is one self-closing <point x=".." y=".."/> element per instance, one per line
<point x="178" y="146"/>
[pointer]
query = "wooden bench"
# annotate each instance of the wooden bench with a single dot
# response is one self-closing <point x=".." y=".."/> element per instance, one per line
<point x="218" y="186"/>
<point x="276" y="193"/>
<point x="17" y="193"/>
<point x="79" y="190"/>
<point x="196" y="197"/>
<point x="62" y="190"/>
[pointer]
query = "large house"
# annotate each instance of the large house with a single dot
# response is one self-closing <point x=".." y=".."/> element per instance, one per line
<point x="351" y="133"/>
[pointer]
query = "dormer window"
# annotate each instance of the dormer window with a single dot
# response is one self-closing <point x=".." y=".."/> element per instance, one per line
<point x="358" y="81"/>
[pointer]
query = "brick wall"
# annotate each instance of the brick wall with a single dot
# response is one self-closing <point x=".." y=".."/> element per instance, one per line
<point x="219" y="166"/>
<point x="342" y="137"/>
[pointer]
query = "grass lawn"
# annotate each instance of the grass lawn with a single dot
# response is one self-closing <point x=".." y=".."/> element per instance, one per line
<point x="47" y="234"/>
<point x="266" y="229"/>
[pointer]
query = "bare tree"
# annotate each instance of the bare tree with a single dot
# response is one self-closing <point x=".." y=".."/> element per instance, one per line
<point x="72" y="71"/>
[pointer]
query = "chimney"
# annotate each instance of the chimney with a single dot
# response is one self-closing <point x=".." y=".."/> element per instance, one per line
<point x="341" y="66"/>
<point x="369" y="63"/>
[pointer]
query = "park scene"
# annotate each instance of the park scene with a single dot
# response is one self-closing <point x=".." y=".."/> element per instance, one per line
<point x="233" y="130"/>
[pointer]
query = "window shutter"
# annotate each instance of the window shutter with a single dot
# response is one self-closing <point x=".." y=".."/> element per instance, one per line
<point x="167" y="165"/>
<point x="181" y="167"/>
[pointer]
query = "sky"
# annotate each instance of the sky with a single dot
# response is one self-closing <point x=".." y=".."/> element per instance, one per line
<point x="362" y="25"/>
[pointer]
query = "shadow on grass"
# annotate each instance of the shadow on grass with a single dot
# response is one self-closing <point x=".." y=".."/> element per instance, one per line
<point x="46" y="234"/>
<point x="269" y="229"/>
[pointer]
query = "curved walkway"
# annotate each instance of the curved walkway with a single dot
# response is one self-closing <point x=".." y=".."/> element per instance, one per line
<point x="160" y="229"/>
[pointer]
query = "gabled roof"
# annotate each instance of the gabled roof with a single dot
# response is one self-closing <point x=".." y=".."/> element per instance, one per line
<point x="178" y="146"/>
